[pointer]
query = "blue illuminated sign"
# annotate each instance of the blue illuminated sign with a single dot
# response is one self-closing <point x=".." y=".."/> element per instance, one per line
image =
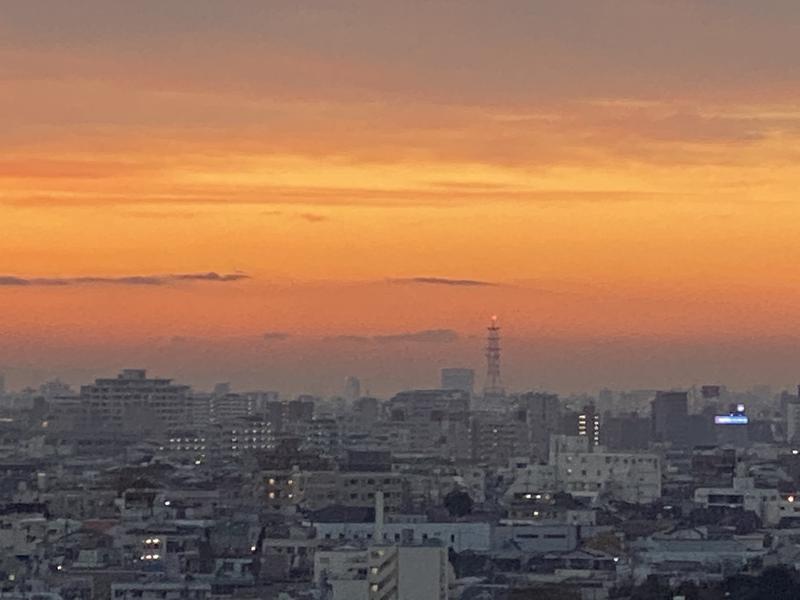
<point x="731" y="420"/>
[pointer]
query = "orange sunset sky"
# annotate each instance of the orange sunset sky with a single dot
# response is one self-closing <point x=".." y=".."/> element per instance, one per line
<point x="370" y="181"/>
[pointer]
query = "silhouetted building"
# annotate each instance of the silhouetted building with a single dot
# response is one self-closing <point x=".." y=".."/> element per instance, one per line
<point x="542" y="413"/>
<point x="497" y="437"/>
<point x="436" y="421"/>
<point x="626" y="432"/>
<point x="301" y="409"/>
<point x="132" y="403"/>
<point x="458" y="379"/>
<point x="792" y="416"/>
<point x="366" y="411"/>
<point x="669" y="413"/>
<point x="352" y="388"/>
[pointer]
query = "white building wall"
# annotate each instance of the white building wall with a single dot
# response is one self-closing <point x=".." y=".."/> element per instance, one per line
<point x="458" y="536"/>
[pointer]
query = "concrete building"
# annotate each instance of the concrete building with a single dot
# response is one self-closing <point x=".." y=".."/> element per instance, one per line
<point x="129" y="403"/>
<point x="422" y="572"/>
<point x="535" y="538"/>
<point x="383" y="572"/>
<point x="626" y="432"/>
<point x="631" y="477"/>
<point x="459" y="536"/>
<point x="542" y="414"/>
<point x="437" y="421"/>
<point x="581" y="469"/>
<point x="496" y="437"/>
<point x="161" y="590"/>
<point x="351" y="573"/>
<point x="793" y="419"/>
<point x="316" y="489"/>
<point x="589" y="424"/>
<point x="768" y="504"/>
<point x="669" y="415"/>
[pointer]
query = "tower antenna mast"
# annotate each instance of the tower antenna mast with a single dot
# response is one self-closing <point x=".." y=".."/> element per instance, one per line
<point x="493" y="387"/>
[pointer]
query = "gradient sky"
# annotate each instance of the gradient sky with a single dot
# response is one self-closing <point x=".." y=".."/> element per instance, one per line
<point x="284" y="193"/>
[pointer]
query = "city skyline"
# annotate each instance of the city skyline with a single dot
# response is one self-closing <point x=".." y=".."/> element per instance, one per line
<point x="399" y="300"/>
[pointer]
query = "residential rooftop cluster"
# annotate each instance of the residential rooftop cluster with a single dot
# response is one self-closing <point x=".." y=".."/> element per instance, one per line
<point x="139" y="487"/>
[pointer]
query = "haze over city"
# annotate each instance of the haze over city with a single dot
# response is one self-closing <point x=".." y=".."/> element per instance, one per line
<point x="399" y="300"/>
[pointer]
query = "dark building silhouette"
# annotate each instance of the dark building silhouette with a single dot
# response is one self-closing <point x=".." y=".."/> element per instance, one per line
<point x="669" y="417"/>
<point x="542" y="413"/>
<point x="626" y="432"/>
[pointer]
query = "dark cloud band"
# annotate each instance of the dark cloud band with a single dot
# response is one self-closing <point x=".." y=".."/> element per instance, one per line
<point x="445" y="281"/>
<point x="441" y="336"/>
<point x="153" y="280"/>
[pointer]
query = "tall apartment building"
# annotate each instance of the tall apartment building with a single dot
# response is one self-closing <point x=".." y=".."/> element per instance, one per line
<point x="793" y="418"/>
<point x="496" y="437"/>
<point x="129" y="403"/>
<point x="357" y="573"/>
<point x="670" y="416"/>
<point x="437" y="421"/>
<point x="589" y="425"/>
<point x="542" y="413"/>
<point x="383" y="572"/>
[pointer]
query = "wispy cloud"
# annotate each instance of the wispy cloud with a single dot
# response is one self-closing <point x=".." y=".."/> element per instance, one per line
<point x="437" y="336"/>
<point x="161" y="214"/>
<point x="276" y="336"/>
<point x="424" y="336"/>
<point x="444" y="281"/>
<point x="153" y="280"/>
<point x="313" y="217"/>
<point x="310" y="217"/>
<point x="349" y="339"/>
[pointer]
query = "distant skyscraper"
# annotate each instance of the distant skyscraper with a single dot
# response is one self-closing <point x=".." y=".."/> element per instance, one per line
<point x="542" y="414"/>
<point x="352" y="388"/>
<point x="2" y="385"/>
<point x="493" y="387"/>
<point x="670" y="416"/>
<point x="589" y="423"/>
<point x="458" y="379"/>
<point x="793" y="418"/>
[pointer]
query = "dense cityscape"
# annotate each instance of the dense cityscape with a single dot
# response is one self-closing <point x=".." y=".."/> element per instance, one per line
<point x="399" y="300"/>
<point x="136" y="486"/>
